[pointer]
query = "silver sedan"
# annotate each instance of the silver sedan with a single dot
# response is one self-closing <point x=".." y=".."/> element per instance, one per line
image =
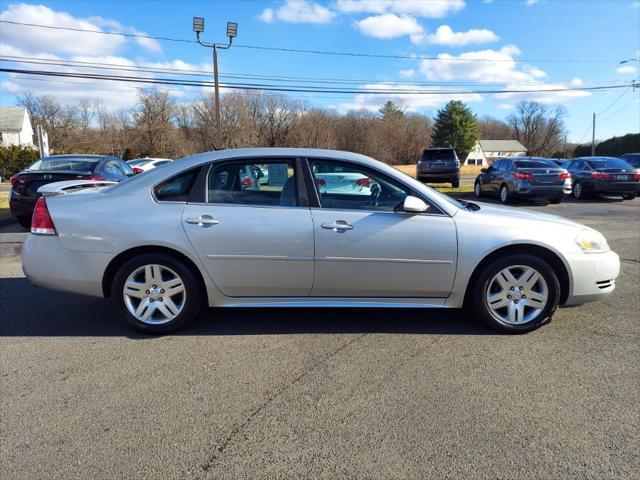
<point x="198" y="232"/>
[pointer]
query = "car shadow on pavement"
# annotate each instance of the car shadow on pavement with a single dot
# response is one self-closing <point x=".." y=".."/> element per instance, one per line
<point x="28" y="311"/>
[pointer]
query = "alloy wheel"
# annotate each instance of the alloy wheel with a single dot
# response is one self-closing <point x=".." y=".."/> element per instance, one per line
<point x="577" y="190"/>
<point x="477" y="189"/>
<point x="504" y="194"/>
<point x="154" y="294"/>
<point x="517" y="295"/>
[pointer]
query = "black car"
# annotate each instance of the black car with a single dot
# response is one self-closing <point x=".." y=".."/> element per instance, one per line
<point x="57" y="168"/>
<point x="439" y="165"/>
<point x="561" y="162"/>
<point x="604" y="175"/>
<point x="632" y="159"/>
<point x="523" y="177"/>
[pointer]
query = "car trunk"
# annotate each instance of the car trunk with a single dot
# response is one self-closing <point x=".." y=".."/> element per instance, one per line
<point x="27" y="183"/>
<point x="544" y="176"/>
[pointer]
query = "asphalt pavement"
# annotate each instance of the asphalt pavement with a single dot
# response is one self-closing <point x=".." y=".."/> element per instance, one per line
<point x="332" y="394"/>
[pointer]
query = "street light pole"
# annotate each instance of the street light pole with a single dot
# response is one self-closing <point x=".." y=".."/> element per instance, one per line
<point x="232" y="32"/>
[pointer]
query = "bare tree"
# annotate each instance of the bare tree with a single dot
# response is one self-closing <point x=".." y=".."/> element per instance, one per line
<point x="154" y="113"/>
<point x="493" y="129"/>
<point x="539" y="127"/>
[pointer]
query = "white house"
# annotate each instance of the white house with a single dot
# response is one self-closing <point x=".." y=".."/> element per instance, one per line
<point x="15" y="127"/>
<point x="485" y="152"/>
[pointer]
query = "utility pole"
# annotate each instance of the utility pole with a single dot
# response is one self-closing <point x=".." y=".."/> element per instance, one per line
<point x="593" y="137"/>
<point x="232" y="32"/>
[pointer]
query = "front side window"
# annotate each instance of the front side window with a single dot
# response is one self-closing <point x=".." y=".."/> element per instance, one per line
<point x="354" y="187"/>
<point x="253" y="182"/>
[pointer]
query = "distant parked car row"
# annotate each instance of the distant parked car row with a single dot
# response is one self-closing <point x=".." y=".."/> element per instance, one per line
<point x="57" y="168"/>
<point x="534" y="177"/>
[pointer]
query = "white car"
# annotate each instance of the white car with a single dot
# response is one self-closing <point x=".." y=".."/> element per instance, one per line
<point x="147" y="163"/>
<point x="208" y="238"/>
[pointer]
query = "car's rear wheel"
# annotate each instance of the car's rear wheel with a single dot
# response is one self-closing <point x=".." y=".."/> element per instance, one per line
<point x="24" y="221"/>
<point x="504" y="194"/>
<point x="578" y="193"/>
<point x="477" y="189"/>
<point x="455" y="183"/>
<point x="516" y="294"/>
<point x="155" y="293"/>
<point x="630" y="196"/>
<point x="555" y="200"/>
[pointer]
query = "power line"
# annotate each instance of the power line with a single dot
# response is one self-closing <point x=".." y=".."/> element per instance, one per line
<point x="297" y="88"/>
<point x="273" y="78"/>
<point x="316" y="52"/>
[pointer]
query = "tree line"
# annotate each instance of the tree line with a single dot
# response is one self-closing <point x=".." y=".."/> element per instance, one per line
<point x="159" y="125"/>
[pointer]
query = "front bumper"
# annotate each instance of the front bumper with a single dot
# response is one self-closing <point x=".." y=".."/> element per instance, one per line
<point x="46" y="263"/>
<point x="592" y="276"/>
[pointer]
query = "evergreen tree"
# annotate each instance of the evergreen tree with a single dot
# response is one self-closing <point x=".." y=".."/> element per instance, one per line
<point x="390" y="111"/>
<point x="455" y="126"/>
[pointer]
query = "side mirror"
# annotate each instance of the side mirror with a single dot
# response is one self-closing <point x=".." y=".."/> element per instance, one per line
<point x="484" y="170"/>
<point x="414" y="205"/>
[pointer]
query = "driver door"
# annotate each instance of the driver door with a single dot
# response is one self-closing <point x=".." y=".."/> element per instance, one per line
<point x="366" y="247"/>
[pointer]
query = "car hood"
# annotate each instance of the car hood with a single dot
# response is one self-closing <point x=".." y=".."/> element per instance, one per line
<point x="522" y="214"/>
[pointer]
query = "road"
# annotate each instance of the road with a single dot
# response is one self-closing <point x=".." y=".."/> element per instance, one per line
<point x="322" y="393"/>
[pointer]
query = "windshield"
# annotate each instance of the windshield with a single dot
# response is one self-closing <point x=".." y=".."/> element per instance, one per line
<point x="608" y="163"/>
<point x="535" y="164"/>
<point x="139" y="162"/>
<point x="73" y="164"/>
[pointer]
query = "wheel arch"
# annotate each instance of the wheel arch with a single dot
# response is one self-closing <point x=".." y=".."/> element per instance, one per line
<point x="551" y="257"/>
<point x="123" y="257"/>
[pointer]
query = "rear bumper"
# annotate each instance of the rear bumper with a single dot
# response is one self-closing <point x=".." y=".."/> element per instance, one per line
<point x="46" y="263"/>
<point x="526" y="190"/>
<point x="450" y="175"/>
<point x="592" y="276"/>
<point x="21" y="205"/>
<point x="616" y="187"/>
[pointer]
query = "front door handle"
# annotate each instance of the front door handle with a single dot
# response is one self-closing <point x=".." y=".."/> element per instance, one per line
<point x="337" y="226"/>
<point x="202" y="221"/>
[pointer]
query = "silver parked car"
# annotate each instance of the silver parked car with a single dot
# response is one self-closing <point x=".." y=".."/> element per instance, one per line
<point x="208" y="237"/>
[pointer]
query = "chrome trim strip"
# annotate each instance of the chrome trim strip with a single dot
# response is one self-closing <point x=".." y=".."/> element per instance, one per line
<point x="258" y="257"/>
<point x="382" y="260"/>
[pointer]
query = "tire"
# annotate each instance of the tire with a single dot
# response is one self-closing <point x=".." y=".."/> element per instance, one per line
<point x="499" y="318"/>
<point x="166" y="272"/>
<point x="577" y="191"/>
<point x="630" y="196"/>
<point x="477" y="189"/>
<point x="24" y="221"/>
<point x="556" y="200"/>
<point x="455" y="183"/>
<point x="504" y="194"/>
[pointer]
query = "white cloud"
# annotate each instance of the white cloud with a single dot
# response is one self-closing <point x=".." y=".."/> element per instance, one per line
<point x="34" y="40"/>
<point x="445" y="35"/>
<point x="411" y="101"/>
<point x="635" y="5"/>
<point x="505" y="106"/>
<point x="548" y="93"/>
<point x="419" y="8"/>
<point x="626" y="70"/>
<point x="388" y="25"/>
<point x="532" y="2"/>
<point x="298" y="11"/>
<point x="410" y="73"/>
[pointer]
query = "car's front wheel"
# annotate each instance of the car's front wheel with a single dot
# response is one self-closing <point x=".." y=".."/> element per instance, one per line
<point x="155" y="293"/>
<point x="477" y="189"/>
<point x="516" y="294"/>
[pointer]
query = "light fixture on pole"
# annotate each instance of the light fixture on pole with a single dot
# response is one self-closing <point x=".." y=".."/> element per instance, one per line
<point x="232" y="32"/>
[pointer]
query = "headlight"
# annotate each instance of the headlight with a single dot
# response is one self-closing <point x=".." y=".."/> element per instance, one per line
<point x="591" y="241"/>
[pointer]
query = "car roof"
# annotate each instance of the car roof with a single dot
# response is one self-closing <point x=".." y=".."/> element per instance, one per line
<point x="596" y="158"/>
<point x="73" y="155"/>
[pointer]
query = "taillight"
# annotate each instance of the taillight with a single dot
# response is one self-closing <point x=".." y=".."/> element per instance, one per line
<point x="364" y="182"/>
<point x="41" y="223"/>
<point x="17" y="180"/>
<point x="92" y="177"/>
<point x="321" y="182"/>
<point x="523" y="176"/>
<point x="565" y="175"/>
<point x="601" y="176"/>
<point x="636" y="177"/>
<point x="137" y="170"/>
<point x="247" y="182"/>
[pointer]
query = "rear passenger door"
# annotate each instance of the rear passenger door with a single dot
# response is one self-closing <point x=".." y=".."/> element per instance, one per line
<point x="254" y="231"/>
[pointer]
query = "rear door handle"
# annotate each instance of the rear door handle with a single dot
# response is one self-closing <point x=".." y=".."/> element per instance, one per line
<point x="337" y="226"/>
<point x="202" y="221"/>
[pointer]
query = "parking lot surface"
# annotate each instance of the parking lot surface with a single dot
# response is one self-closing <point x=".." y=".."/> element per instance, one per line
<point x="322" y="393"/>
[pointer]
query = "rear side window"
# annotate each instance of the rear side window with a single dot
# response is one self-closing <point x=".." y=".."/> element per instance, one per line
<point x="253" y="182"/>
<point x="178" y="188"/>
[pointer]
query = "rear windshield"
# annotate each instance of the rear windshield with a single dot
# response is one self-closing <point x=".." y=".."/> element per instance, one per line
<point x="535" y="164"/>
<point x="445" y="154"/>
<point x="608" y="163"/>
<point x="633" y="160"/>
<point x="71" y="164"/>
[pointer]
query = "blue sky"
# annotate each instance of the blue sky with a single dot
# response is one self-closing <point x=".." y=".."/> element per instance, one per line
<point x="528" y="41"/>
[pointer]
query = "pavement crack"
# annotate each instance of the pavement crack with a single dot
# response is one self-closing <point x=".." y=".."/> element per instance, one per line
<point x="219" y="450"/>
<point x="632" y="260"/>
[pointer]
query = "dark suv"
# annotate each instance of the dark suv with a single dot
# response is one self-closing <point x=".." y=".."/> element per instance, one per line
<point x="439" y="165"/>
